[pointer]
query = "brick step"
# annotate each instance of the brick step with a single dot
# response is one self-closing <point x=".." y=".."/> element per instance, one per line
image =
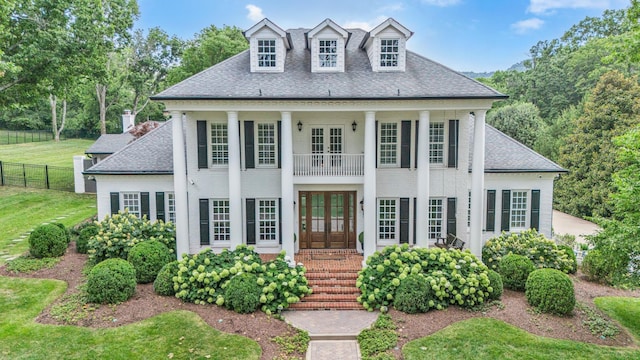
<point x="322" y="305"/>
<point x="331" y="275"/>
<point x="333" y="282"/>
<point x="329" y="297"/>
<point x="335" y="290"/>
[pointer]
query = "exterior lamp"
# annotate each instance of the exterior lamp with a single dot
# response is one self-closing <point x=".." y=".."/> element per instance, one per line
<point x="354" y="126"/>
<point x="299" y="126"/>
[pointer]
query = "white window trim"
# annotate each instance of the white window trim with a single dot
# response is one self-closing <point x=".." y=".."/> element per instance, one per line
<point x="275" y="54"/>
<point x="442" y="219"/>
<point x="136" y="198"/>
<point x="257" y="145"/>
<point x="397" y="145"/>
<point x="168" y="200"/>
<point x="335" y="54"/>
<point x="213" y="222"/>
<point x="259" y="234"/>
<point x="396" y="222"/>
<point x="526" y="211"/>
<point x="210" y="145"/>
<point x="380" y="53"/>
<point x="444" y="145"/>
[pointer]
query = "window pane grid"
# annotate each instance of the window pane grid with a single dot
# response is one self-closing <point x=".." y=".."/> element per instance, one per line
<point x="220" y="223"/>
<point x="171" y="207"/>
<point x="518" y="209"/>
<point x="327" y="53"/>
<point x="131" y="202"/>
<point x="388" y="52"/>
<point x="435" y="218"/>
<point x="388" y="143"/>
<point x="219" y="148"/>
<point x="266" y="144"/>
<point x="387" y="219"/>
<point x="266" y="53"/>
<point x="267" y="215"/>
<point x="436" y="143"/>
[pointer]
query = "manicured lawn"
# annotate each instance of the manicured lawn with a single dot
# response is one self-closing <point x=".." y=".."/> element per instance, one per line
<point x="486" y="338"/>
<point x="172" y="335"/>
<point x="46" y="152"/>
<point x="625" y="310"/>
<point x="23" y="209"/>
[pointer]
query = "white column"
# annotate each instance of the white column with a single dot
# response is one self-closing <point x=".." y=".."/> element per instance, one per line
<point x="370" y="203"/>
<point x="477" y="183"/>
<point x="286" y="182"/>
<point x="180" y="186"/>
<point x="78" y="178"/>
<point x="422" y="202"/>
<point x="235" y="187"/>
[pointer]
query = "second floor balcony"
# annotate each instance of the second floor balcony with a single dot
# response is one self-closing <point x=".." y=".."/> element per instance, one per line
<point x="328" y="164"/>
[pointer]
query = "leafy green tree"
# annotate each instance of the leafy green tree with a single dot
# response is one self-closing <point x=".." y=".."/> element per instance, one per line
<point x="521" y="121"/>
<point x="627" y="178"/>
<point x="553" y="136"/>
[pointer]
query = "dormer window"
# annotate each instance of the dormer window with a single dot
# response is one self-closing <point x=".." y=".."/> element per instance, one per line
<point x="389" y="52"/>
<point x="267" y="53"/>
<point x="328" y="53"/>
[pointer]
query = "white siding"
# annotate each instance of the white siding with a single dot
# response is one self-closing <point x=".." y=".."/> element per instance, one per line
<point x="264" y="34"/>
<point x="106" y="184"/>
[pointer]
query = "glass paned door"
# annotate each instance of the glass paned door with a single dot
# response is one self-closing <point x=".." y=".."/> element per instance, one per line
<point x="327" y="220"/>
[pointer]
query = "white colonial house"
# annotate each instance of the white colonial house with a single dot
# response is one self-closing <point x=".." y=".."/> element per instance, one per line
<point x="313" y="136"/>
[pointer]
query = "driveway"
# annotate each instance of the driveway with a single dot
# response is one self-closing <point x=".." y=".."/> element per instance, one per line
<point x="567" y="224"/>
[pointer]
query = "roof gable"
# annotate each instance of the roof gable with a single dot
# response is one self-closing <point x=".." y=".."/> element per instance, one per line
<point x="328" y="23"/>
<point x="266" y="23"/>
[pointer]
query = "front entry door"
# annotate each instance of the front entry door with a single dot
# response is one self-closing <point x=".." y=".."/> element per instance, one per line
<point x="327" y="220"/>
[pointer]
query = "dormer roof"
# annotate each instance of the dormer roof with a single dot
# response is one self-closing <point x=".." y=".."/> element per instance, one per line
<point x="269" y="24"/>
<point x="328" y="23"/>
<point x="390" y="22"/>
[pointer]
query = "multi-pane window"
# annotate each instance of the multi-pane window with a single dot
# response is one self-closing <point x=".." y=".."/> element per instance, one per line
<point x="266" y="144"/>
<point x="388" y="143"/>
<point x="436" y="212"/>
<point x="267" y="220"/>
<point x="171" y="207"/>
<point x="387" y="216"/>
<point x="328" y="53"/>
<point x="469" y="211"/>
<point x="131" y="202"/>
<point x="436" y="143"/>
<point x="219" y="145"/>
<point x="388" y="52"/>
<point x="518" y="209"/>
<point x="220" y="223"/>
<point x="267" y="53"/>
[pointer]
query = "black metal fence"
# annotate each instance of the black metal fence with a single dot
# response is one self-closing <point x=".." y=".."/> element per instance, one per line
<point x="36" y="176"/>
<point x="24" y="136"/>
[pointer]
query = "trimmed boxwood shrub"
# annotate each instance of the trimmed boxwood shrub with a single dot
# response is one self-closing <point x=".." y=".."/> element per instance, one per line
<point x="82" y="242"/>
<point x="495" y="280"/>
<point x="550" y="291"/>
<point x="572" y="255"/>
<point x="111" y="281"/>
<point x="413" y="295"/>
<point x="242" y="293"/>
<point x="163" y="285"/>
<point x="148" y="258"/>
<point x="595" y="266"/>
<point x="67" y="234"/>
<point x="515" y="270"/>
<point x="47" y="241"/>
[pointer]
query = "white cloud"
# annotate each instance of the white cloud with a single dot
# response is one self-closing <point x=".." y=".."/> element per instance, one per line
<point x="364" y="25"/>
<point x="441" y="3"/>
<point x="525" y="25"/>
<point x="392" y="8"/>
<point x="255" y="13"/>
<point x="546" y="6"/>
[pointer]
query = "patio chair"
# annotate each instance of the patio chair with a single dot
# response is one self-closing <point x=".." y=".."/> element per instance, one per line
<point x="446" y="242"/>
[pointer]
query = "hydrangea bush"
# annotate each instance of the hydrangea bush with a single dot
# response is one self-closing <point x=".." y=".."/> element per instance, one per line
<point x="118" y="233"/>
<point x="456" y="277"/>
<point x="543" y="252"/>
<point x="202" y="278"/>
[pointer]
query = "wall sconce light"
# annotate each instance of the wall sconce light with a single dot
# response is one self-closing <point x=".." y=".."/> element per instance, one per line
<point x="354" y="126"/>
<point x="299" y="126"/>
<point x="362" y="204"/>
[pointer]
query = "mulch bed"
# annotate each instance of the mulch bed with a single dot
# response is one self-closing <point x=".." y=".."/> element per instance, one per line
<point x="261" y="328"/>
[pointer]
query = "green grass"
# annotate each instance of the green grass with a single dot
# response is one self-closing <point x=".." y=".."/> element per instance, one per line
<point x="46" y="152"/>
<point x="486" y="338"/>
<point x="22" y="209"/>
<point x="172" y="335"/>
<point x="625" y="310"/>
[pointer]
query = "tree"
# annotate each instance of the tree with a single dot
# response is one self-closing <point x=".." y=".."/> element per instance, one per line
<point x="553" y="136"/>
<point x="521" y="121"/>
<point x="627" y="179"/>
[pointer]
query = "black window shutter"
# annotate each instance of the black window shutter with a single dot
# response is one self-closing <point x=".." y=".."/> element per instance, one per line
<point x="279" y="154"/>
<point x="451" y="216"/>
<point x="506" y="210"/>
<point x="115" y="202"/>
<point x="144" y="204"/>
<point x="415" y="219"/>
<point x="280" y="219"/>
<point x="251" y="221"/>
<point x="405" y="144"/>
<point x="535" y="209"/>
<point x="204" y="222"/>
<point x="404" y="220"/>
<point x="249" y="157"/>
<point x="453" y="143"/>
<point x="160" y="206"/>
<point x="201" y="126"/>
<point x="491" y="211"/>
<point x="415" y="155"/>
<point x="377" y="144"/>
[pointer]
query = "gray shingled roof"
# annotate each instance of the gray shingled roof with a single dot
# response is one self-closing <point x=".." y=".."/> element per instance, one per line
<point x="150" y="154"/>
<point x="423" y="79"/>
<point x="503" y="154"/>
<point x="153" y="154"/>
<point x="109" y="143"/>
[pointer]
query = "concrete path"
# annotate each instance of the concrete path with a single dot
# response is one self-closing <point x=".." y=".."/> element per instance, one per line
<point x="333" y="333"/>
<point x="567" y="224"/>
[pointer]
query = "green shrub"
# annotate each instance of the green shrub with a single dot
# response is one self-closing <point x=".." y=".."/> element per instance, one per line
<point x="111" y="281"/>
<point x="242" y="293"/>
<point x="495" y="281"/>
<point x="118" y="233"/>
<point x="67" y="234"/>
<point x="543" y="252"/>
<point x="374" y="343"/>
<point x="163" y="285"/>
<point x="202" y="278"/>
<point x="572" y="255"/>
<point x="456" y="277"/>
<point x="148" y="257"/>
<point x="515" y="270"/>
<point x="596" y="267"/>
<point x="47" y="241"/>
<point x="82" y="241"/>
<point x="413" y="295"/>
<point x="550" y="291"/>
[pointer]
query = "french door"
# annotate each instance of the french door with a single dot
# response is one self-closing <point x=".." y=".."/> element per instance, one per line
<point x="326" y="145"/>
<point x="327" y="219"/>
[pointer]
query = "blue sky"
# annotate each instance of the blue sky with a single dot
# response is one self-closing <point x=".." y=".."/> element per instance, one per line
<point x="466" y="35"/>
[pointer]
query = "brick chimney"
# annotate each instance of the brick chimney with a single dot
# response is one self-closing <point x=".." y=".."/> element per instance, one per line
<point x="128" y="121"/>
